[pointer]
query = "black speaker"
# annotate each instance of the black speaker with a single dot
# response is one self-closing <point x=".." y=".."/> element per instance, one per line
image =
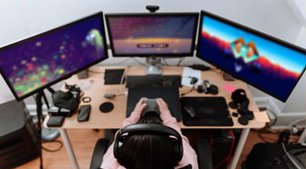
<point x="18" y="136"/>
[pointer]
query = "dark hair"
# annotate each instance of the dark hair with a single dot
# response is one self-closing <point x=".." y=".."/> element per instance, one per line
<point x="147" y="150"/>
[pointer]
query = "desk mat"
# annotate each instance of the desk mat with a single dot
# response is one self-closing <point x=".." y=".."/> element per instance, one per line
<point x="210" y="111"/>
<point x="169" y="95"/>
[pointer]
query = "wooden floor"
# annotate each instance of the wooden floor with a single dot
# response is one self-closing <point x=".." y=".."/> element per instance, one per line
<point x="83" y="142"/>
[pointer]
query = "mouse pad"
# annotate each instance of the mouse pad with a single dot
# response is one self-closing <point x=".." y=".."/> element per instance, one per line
<point x="210" y="111"/>
<point x="169" y="95"/>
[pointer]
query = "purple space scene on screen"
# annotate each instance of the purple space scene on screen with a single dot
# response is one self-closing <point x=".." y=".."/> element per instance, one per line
<point x="41" y="60"/>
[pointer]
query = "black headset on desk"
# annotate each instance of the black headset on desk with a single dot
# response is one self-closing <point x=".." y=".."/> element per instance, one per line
<point x="150" y="128"/>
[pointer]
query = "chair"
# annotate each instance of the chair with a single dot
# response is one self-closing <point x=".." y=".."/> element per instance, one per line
<point x="203" y="152"/>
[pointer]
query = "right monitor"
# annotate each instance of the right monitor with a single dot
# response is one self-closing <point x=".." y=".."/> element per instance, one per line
<point x="265" y="62"/>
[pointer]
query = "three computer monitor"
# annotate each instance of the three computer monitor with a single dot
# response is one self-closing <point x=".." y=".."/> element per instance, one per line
<point x="152" y="34"/>
<point x="35" y="63"/>
<point x="265" y="62"/>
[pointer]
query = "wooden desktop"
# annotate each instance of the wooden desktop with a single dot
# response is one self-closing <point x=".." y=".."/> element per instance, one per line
<point x="114" y="119"/>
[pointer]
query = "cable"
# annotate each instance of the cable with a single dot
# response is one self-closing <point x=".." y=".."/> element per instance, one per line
<point x="275" y="117"/>
<point x="189" y="91"/>
<point x="260" y="132"/>
<point x="290" y="158"/>
<point x="123" y="76"/>
<point x="165" y="62"/>
<point x="139" y="62"/>
<point x="180" y="61"/>
<point x="55" y="150"/>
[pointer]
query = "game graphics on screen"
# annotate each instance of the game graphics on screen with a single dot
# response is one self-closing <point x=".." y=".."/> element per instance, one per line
<point x="39" y="61"/>
<point x="149" y="35"/>
<point x="266" y="65"/>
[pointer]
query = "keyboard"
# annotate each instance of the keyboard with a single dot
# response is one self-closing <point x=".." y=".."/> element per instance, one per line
<point x="172" y="81"/>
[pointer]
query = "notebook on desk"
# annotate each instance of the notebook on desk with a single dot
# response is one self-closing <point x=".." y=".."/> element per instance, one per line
<point x="210" y="111"/>
<point x="169" y="95"/>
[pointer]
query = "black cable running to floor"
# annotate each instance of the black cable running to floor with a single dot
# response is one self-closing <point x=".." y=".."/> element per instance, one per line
<point x="55" y="150"/>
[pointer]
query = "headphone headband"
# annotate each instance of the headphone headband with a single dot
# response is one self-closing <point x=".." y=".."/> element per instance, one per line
<point x="150" y="128"/>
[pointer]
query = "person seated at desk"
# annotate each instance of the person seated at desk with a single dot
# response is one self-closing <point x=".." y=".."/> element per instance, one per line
<point x="132" y="153"/>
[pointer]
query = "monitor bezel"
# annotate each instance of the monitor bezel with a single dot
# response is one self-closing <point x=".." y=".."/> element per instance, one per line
<point x="19" y="98"/>
<point x="166" y="55"/>
<point x="254" y="32"/>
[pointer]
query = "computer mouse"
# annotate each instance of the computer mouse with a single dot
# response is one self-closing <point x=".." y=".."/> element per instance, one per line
<point x="190" y="111"/>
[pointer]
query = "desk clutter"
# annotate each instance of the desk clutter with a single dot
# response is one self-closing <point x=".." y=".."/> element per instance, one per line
<point x="192" y="111"/>
<point x="241" y="103"/>
<point x="65" y="104"/>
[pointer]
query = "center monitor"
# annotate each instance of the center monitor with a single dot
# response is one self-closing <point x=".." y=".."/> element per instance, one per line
<point x="265" y="62"/>
<point x="35" y="63"/>
<point x="152" y="34"/>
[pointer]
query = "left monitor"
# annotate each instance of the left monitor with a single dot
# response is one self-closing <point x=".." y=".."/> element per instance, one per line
<point x="35" y="63"/>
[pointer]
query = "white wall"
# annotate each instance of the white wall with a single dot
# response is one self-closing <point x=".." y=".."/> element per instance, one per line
<point x="19" y="19"/>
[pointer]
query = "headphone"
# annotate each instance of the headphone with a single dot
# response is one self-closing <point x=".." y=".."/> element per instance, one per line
<point x="150" y="128"/>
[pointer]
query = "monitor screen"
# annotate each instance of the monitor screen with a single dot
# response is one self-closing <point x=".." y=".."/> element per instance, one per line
<point x="42" y="60"/>
<point x="152" y="34"/>
<point x="265" y="62"/>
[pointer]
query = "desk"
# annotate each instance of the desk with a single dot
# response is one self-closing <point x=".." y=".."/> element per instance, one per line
<point x="114" y="119"/>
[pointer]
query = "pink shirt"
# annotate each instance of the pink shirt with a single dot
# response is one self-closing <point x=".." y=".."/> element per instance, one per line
<point x="189" y="156"/>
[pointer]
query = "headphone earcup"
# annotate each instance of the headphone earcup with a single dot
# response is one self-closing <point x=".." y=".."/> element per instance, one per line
<point x="178" y="148"/>
<point x="118" y="142"/>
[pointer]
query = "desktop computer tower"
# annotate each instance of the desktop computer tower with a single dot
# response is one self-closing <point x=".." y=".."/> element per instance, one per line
<point x="18" y="136"/>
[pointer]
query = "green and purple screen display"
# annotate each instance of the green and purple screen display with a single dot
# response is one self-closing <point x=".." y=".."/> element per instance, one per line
<point x="32" y="63"/>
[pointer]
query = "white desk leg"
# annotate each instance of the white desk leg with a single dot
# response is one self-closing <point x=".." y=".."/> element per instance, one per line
<point x="69" y="148"/>
<point x="243" y="137"/>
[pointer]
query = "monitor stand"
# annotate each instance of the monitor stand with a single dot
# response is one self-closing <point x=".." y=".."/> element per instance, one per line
<point x="154" y="66"/>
